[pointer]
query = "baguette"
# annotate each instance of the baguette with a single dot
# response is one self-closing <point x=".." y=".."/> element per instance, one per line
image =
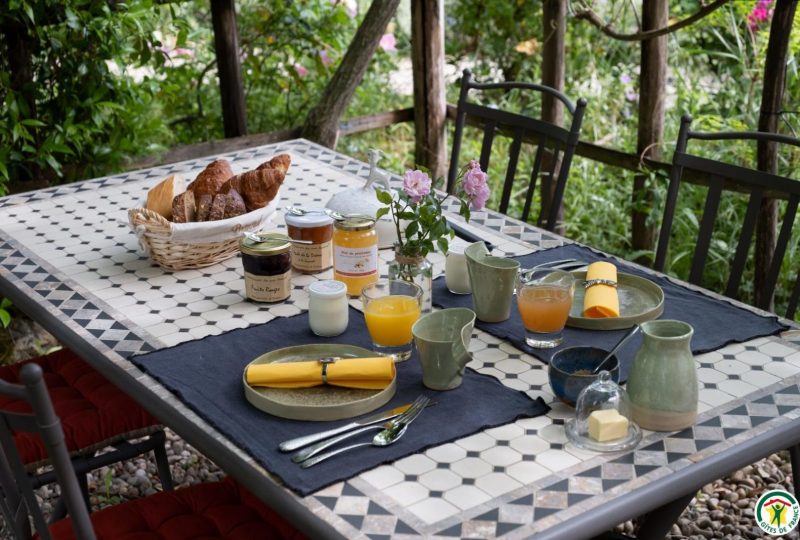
<point x="162" y="195"/>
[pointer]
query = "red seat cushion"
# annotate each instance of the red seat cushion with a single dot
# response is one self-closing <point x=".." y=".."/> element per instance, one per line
<point x="216" y="510"/>
<point x="91" y="409"/>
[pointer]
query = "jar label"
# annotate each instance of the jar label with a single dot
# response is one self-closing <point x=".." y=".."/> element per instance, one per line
<point x="355" y="262"/>
<point x="268" y="288"/>
<point x="312" y="257"/>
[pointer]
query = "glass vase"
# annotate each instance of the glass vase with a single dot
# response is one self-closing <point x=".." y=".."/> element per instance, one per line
<point x="416" y="269"/>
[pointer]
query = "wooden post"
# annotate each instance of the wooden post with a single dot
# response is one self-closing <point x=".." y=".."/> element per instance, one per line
<point x="430" y="102"/>
<point x="554" y="17"/>
<point x="226" y="46"/>
<point x="322" y="123"/>
<point x="652" y="81"/>
<point x="771" y="100"/>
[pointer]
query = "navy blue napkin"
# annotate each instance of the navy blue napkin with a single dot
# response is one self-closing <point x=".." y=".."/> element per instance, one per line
<point x="716" y="322"/>
<point x="207" y="376"/>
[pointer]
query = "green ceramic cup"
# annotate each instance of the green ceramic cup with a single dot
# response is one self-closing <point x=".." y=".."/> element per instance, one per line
<point x="493" y="280"/>
<point x="442" y="339"/>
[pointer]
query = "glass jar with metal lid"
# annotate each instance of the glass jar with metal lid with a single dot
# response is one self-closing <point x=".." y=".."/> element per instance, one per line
<point x="316" y="227"/>
<point x="355" y="252"/>
<point x="267" y="261"/>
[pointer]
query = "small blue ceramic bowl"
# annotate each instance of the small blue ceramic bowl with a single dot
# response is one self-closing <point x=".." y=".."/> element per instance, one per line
<point x="571" y="369"/>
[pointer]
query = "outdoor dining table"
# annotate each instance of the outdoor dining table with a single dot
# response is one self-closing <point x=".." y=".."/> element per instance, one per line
<point x="69" y="260"/>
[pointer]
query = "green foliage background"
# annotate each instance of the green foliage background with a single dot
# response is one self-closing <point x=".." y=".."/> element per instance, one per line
<point x="114" y="85"/>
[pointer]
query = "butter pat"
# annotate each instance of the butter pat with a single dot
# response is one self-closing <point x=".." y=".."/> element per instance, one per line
<point x="607" y="425"/>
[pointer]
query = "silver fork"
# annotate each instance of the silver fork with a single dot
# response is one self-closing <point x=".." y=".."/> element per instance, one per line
<point x="420" y="403"/>
<point x="386" y="437"/>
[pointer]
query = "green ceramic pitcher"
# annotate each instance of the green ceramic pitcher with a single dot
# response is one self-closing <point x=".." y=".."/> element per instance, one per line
<point x="442" y="339"/>
<point x="492" y="280"/>
<point x="662" y="383"/>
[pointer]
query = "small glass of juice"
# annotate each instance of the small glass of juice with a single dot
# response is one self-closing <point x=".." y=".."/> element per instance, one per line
<point x="391" y="307"/>
<point x="544" y="298"/>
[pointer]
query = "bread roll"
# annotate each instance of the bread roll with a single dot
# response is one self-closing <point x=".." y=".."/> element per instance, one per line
<point x="183" y="207"/>
<point x="160" y="197"/>
<point x="204" y="203"/>
<point x="211" y="179"/>
<point x="235" y="205"/>
<point x="259" y="187"/>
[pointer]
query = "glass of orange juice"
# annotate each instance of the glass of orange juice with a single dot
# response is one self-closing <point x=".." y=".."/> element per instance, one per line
<point x="391" y="307"/>
<point x="544" y="298"/>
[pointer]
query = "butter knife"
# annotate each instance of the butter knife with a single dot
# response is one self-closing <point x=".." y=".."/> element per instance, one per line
<point x="299" y="442"/>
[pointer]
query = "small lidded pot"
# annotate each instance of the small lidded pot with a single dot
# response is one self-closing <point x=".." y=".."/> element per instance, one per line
<point x="327" y="307"/>
<point x="316" y="227"/>
<point x="267" y="266"/>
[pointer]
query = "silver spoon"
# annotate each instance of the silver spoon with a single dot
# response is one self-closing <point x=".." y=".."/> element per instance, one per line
<point x="253" y="237"/>
<point x="618" y="346"/>
<point x="298" y="211"/>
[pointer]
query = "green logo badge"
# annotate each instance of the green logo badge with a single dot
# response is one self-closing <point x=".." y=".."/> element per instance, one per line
<point x="777" y="512"/>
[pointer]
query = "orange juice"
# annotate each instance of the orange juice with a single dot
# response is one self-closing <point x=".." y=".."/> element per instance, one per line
<point x="544" y="309"/>
<point x="390" y="318"/>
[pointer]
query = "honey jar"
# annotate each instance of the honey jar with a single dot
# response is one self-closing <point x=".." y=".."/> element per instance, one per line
<point x="267" y="263"/>
<point x="355" y="252"/>
<point x="315" y="227"/>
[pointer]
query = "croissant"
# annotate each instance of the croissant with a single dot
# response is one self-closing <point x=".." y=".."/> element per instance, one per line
<point x="280" y="162"/>
<point x="259" y="187"/>
<point x="212" y="178"/>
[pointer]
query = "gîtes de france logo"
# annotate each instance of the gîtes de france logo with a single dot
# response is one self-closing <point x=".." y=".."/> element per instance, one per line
<point x="777" y="512"/>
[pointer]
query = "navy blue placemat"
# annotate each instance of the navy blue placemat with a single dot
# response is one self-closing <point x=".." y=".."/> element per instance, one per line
<point x="207" y="376"/>
<point x="716" y="322"/>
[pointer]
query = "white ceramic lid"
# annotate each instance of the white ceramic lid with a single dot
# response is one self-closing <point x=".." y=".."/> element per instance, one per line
<point x="327" y="288"/>
<point x="314" y="219"/>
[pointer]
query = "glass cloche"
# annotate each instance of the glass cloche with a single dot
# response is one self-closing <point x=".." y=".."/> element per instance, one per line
<point x="603" y="420"/>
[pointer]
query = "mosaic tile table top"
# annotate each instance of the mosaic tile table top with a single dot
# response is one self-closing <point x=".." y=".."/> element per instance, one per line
<point x="70" y="250"/>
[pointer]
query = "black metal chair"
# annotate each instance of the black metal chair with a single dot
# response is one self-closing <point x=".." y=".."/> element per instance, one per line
<point x="209" y="510"/>
<point x="756" y="186"/>
<point x="555" y="144"/>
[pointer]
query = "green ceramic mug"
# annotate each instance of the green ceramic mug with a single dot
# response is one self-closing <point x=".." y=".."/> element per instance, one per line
<point x="442" y="339"/>
<point x="493" y="280"/>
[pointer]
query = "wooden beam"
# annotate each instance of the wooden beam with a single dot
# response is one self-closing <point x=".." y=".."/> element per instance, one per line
<point x="322" y="123"/>
<point x="226" y="46"/>
<point x="767" y="152"/>
<point x="652" y="81"/>
<point x="430" y="102"/>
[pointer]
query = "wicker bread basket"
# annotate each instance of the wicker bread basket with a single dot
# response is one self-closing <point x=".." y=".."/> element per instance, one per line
<point x="179" y="246"/>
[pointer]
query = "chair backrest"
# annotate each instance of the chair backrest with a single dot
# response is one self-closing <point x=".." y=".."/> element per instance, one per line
<point x="18" y="501"/>
<point x="756" y="186"/>
<point x="555" y="144"/>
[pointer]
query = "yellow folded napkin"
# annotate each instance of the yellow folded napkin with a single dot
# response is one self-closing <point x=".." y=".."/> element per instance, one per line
<point x="367" y="373"/>
<point x="601" y="301"/>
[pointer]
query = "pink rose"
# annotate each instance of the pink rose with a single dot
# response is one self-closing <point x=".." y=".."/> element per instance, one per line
<point x="323" y="56"/>
<point x="416" y="184"/>
<point x="301" y="70"/>
<point x="388" y="43"/>
<point x="475" y="184"/>
<point x="479" y="199"/>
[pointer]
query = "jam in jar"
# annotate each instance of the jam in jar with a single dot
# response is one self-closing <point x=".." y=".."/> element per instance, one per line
<point x="355" y="252"/>
<point x="316" y="227"/>
<point x="267" y="267"/>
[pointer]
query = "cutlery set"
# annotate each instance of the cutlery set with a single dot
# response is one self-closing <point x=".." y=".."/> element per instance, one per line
<point x="397" y="422"/>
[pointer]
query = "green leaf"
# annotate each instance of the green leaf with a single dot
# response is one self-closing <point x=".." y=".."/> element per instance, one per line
<point x="443" y="244"/>
<point x="381" y="212"/>
<point x="5" y="318"/>
<point x="412" y="229"/>
<point x="384" y="196"/>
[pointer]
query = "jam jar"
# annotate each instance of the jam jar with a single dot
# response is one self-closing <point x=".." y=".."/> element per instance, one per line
<point x="267" y="267"/>
<point x="316" y="227"/>
<point x="355" y="252"/>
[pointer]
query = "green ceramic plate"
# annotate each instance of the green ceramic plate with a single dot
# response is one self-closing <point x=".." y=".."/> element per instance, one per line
<point x="639" y="300"/>
<point x="319" y="402"/>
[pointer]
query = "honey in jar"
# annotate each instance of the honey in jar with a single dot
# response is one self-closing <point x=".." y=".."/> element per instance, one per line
<point x="267" y="265"/>
<point x="316" y="227"/>
<point x="355" y="252"/>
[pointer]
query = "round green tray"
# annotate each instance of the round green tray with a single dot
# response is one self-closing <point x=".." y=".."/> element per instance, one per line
<point x="319" y="403"/>
<point x="640" y="300"/>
